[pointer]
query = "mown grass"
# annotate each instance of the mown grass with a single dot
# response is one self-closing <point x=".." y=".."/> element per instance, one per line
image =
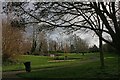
<point x="43" y="61"/>
<point x="80" y="69"/>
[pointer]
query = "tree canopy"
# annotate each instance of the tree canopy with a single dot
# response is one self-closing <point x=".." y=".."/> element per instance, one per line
<point x="73" y="16"/>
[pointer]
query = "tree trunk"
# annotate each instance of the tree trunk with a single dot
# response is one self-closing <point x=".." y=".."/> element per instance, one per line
<point x="101" y="52"/>
<point x="33" y="46"/>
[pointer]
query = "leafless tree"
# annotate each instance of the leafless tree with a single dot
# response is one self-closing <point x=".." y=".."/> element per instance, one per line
<point x="11" y="42"/>
<point x="76" y="15"/>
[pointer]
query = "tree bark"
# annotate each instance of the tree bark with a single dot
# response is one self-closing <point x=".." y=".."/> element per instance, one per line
<point x="101" y="53"/>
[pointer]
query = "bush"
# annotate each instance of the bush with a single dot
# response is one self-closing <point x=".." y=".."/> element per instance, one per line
<point x="11" y="42"/>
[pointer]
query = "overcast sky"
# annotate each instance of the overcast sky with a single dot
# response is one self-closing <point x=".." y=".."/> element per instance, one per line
<point x="89" y="37"/>
<point x="57" y="34"/>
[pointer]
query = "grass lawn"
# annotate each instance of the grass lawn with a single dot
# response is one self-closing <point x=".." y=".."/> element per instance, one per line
<point x="80" y="69"/>
<point x="45" y="61"/>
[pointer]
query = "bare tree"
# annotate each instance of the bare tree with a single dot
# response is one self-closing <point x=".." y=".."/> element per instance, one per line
<point x="77" y="44"/>
<point x="26" y="46"/>
<point x="11" y="41"/>
<point x="77" y="15"/>
<point x="66" y="50"/>
<point x="43" y="45"/>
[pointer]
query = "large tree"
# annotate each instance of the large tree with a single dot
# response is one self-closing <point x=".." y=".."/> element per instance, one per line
<point x="74" y="16"/>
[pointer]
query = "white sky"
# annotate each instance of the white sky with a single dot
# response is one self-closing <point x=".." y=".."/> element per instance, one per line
<point x="57" y="34"/>
<point x="92" y="40"/>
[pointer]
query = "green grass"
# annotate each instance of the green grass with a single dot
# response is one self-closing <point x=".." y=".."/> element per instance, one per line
<point x="80" y="69"/>
<point x="42" y="61"/>
<point x="81" y="66"/>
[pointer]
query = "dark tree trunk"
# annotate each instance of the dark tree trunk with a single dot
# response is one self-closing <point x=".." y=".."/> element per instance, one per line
<point x="33" y="46"/>
<point x="101" y="53"/>
<point x="100" y="47"/>
<point x="117" y="45"/>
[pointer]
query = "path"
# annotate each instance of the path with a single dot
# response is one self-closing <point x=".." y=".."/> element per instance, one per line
<point x="13" y="74"/>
